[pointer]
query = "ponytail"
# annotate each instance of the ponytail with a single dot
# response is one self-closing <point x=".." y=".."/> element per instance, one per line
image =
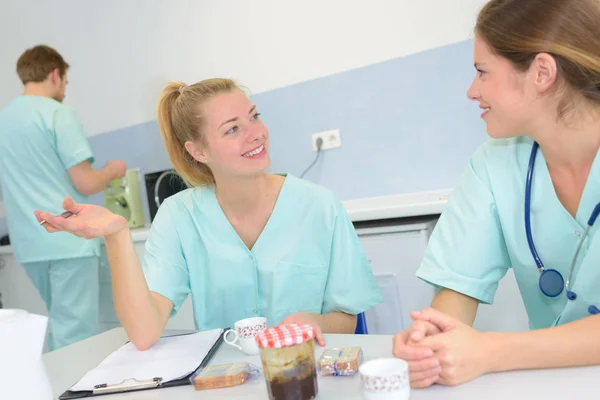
<point x="181" y="119"/>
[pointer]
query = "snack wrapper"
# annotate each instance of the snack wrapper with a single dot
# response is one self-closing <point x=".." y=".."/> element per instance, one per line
<point x="340" y="361"/>
<point x="225" y="375"/>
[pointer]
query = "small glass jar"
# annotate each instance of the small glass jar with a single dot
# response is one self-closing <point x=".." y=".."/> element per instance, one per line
<point x="287" y="353"/>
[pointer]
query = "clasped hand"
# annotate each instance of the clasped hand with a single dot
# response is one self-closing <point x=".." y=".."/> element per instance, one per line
<point x="441" y="349"/>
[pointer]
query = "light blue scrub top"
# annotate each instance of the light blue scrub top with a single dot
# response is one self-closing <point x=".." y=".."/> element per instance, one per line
<point x="307" y="259"/>
<point x="40" y="139"/>
<point x="481" y="234"/>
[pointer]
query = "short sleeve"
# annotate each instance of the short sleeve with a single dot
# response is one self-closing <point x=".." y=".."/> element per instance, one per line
<point x="351" y="286"/>
<point x="71" y="143"/>
<point x="164" y="264"/>
<point x="467" y="252"/>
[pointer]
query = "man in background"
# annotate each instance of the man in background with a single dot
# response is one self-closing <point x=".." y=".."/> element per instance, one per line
<point x="44" y="156"/>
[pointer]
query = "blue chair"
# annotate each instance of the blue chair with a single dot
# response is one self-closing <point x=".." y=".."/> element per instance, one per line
<point x="361" y="325"/>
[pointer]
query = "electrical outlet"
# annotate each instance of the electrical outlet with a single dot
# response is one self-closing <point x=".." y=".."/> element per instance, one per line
<point x="331" y="139"/>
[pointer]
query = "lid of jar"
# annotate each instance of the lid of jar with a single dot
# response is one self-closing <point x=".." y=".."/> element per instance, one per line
<point x="283" y="336"/>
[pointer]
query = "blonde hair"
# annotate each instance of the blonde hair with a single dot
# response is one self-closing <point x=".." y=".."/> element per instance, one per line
<point x="569" y="30"/>
<point x="181" y="118"/>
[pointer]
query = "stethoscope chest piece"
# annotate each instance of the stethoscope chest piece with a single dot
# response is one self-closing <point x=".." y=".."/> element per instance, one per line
<point x="551" y="282"/>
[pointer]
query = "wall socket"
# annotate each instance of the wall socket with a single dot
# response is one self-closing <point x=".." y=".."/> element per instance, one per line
<point x="331" y="139"/>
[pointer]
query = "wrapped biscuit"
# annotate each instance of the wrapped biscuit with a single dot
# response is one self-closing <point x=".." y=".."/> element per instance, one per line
<point x="340" y="362"/>
<point x="220" y="376"/>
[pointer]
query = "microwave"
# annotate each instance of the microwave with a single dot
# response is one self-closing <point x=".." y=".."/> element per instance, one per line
<point x="159" y="186"/>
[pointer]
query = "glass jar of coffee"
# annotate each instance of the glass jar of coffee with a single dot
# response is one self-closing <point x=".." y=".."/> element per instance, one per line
<point x="287" y="353"/>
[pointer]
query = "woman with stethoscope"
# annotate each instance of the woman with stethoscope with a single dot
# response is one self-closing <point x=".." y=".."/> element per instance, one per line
<point x="528" y="201"/>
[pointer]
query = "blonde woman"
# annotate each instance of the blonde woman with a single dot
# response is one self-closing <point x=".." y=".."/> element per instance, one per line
<point x="243" y="242"/>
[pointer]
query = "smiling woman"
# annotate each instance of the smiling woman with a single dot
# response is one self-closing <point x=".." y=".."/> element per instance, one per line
<point x="243" y="242"/>
<point x="538" y="73"/>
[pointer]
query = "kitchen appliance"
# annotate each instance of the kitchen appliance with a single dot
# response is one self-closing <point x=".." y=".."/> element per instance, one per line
<point x="122" y="196"/>
<point x="159" y="186"/>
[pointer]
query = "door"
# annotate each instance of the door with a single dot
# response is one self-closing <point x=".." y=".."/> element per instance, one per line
<point x="395" y="253"/>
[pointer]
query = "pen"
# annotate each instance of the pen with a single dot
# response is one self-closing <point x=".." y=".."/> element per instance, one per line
<point x="66" y="214"/>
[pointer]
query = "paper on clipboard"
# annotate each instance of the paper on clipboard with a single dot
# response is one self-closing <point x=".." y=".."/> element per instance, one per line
<point x="169" y="359"/>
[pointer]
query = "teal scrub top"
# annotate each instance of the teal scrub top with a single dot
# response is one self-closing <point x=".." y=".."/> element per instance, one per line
<point x="481" y="234"/>
<point x="307" y="259"/>
<point x="40" y="139"/>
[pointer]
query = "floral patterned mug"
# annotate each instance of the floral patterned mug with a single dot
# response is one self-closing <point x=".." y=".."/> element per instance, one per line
<point x="385" y="379"/>
<point x="244" y="333"/>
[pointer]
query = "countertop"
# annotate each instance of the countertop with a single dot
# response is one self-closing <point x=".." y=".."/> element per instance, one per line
<point x="366" y="209"/>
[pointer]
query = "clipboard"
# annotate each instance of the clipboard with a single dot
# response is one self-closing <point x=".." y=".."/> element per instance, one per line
<point x="133" y="385"/>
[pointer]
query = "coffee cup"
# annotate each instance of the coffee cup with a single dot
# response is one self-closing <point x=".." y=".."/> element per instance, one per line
<point x="242" y="337"/>
<point x="385" y="379"/>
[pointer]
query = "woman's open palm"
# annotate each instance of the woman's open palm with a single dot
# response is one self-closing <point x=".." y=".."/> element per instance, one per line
<point x="89" y="221"/>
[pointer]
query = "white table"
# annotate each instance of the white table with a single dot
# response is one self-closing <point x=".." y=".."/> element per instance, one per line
<point x="67" y="365"/>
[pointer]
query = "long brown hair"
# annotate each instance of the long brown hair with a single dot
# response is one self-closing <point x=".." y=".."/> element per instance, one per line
<point x="569" y="30"/>
<point x="181" y="118"/>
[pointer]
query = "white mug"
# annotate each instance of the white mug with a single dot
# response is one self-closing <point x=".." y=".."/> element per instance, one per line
<point x="385" y="379"/>
<point x="244" y="333"/>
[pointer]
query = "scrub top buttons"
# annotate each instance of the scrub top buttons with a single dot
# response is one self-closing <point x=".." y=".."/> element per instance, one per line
<point x="578" y="233"/>
<point x="255" y="311"/>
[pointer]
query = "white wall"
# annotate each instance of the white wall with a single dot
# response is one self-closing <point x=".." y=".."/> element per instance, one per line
<point x="122" y="52"/>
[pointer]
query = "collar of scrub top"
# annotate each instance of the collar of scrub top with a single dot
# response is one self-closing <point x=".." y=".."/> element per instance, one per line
<point x="551" y="281"/>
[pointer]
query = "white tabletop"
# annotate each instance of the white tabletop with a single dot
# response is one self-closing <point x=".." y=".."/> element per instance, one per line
<point x="67" y="365"/>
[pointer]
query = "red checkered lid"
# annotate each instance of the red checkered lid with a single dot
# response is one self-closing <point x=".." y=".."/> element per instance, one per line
<point x="282" y="336"/>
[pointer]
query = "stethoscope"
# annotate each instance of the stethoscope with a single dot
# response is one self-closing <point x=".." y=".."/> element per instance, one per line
<point x="551" y="281"/>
